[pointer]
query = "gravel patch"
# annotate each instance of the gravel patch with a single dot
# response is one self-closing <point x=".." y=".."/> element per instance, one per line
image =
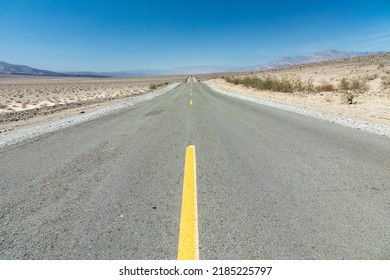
<point x="32" y="131"/>
<point x="356" y="124"/>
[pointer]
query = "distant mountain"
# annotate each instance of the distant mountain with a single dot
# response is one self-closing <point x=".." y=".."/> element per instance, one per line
<point x="204" y="69"/>
<point x="12" y="69"/>
<point x="316" y="57"/>
<point x="6" y="68"/>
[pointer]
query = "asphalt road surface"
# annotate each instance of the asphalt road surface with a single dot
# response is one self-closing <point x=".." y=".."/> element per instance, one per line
<point x="271" y="185"/>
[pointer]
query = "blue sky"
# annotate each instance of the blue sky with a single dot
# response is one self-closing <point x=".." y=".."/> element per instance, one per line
<point x="119" y="35"/>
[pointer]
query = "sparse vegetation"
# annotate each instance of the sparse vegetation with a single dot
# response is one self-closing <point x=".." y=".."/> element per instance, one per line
<point x="284" y="84"/>
<point x="325" y="87"/>
<point x="351" y="88"/>
<point x="371" y="77"/>
<point x="29" y="93"/>
<point x="385" y="82"/>
<point x="156" y="86"/>
<point x="346" y="79"/>
<point x="272" y="83"/>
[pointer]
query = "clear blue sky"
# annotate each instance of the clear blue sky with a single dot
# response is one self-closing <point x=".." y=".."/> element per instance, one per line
<point x="119" y="35"/>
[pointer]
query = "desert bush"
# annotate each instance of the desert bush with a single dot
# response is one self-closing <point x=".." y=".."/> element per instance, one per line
<point x="325" y="87"/>
<point x="349" y="96"/>
<point x="284" y="85"/>
<point x="351" y="88"/>
<point x="155" y="86"/>
<point x="298" y="84"/>
<point x="370" y="77"/>
<point x="344" y="84"/>
<point x="385" y="81"/>
<point x="235" y="81"/>
<point x="358" y="85"/>
<point x="355" y="84"/>
<point x="310" y="85"/>
<point x="345" y="88"/>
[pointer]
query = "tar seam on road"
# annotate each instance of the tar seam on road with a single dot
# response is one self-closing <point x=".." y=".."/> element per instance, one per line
<point x="188" y="248"/>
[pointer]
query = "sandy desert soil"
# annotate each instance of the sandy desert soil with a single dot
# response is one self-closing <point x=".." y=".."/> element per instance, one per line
<point x="25" y="100"/>
<point x="371" y="104"/>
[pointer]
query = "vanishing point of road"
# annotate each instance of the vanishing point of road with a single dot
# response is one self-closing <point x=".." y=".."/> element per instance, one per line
<point x="270" y="185"/>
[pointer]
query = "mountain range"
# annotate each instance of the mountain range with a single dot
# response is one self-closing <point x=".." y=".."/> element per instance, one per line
<point x="11" y="69"/>
<point x="315" y="57"/>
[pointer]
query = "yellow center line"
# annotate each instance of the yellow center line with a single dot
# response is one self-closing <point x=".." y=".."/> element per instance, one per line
<point x="188" y="236"/>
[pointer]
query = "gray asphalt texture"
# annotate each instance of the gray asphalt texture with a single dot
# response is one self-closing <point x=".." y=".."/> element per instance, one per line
<point x="271" y="185"/>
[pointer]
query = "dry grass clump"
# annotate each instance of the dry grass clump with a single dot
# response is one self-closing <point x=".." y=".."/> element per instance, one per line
<point x="325" y="87"/>
<point x="156" y="86"/>
<point x="351" y="88"/>
<point x="381" y="65"/>
<point x="371" y="77"/>
<point x="385" y="82"/>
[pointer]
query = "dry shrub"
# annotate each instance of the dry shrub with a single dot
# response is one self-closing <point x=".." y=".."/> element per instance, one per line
<point x="156" y="86"/>
<point x="385" y="82"/>
<point x="351" y="88"/>
<point x="325" y="87"/>
<point x="371" y="77"/>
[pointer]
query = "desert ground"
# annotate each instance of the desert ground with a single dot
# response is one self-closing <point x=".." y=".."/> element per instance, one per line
<point x="318" y="87"/>
<point x="26" y="99"/>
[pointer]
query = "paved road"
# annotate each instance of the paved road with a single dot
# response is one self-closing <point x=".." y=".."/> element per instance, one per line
<point x="271" y="185"/>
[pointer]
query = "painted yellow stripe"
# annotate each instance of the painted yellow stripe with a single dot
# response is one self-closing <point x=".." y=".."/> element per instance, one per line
<point x="188" y="236"/>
